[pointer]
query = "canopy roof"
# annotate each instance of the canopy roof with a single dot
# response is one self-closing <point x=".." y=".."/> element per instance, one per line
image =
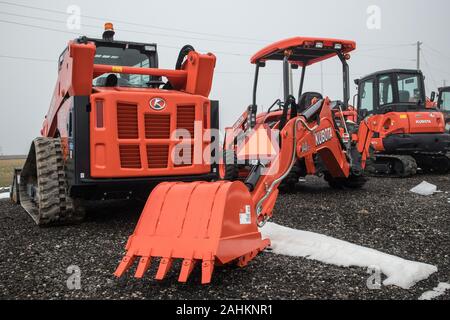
<point x="304" y="51"/>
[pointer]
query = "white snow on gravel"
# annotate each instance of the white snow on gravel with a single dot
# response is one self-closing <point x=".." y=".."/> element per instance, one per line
<point x="4" y="195"/>
<point x="425" y="189"/>
<point x="400" y="272"/>
<point x="436" y="292"/>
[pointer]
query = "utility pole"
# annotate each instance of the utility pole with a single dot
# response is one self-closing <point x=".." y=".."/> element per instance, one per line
<point x="419" y="44"/>
<point x="445" y="83"/>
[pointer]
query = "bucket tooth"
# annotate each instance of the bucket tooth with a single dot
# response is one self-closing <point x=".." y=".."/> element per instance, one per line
<point x="207" y="271"/>
<point x="186" y="269"/>
<point x="164" y="267"/>
<point x="143" y="266"/>
<point x="124" y="265"/>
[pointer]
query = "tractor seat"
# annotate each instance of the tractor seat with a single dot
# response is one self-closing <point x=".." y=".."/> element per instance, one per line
<point x="313" y="110"/>
<point x="404" y="96"/>
<point x="305" y="100"/>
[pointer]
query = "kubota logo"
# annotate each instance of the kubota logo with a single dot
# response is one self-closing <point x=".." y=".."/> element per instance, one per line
<point x="158" y="104"/>
<point x="423" y="121"/>
<point x="323" y="136"/>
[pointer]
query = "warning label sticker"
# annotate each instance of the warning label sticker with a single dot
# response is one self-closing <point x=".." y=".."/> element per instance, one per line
<point x="245" y="218"/>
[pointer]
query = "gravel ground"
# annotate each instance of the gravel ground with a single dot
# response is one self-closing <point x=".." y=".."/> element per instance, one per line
<point x="384" y="216"/>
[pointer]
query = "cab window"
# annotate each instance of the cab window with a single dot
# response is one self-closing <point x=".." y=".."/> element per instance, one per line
<point x="445" y="101"/>
<point x="408" y="88"/>
<point x="367" y="96"/>
<point x="385" y="91"/>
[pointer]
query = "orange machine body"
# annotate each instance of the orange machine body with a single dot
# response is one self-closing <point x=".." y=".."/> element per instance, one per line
<point x="126" y="135"/>
<point x="216" y="223"/>
<point x="397" y="123"/>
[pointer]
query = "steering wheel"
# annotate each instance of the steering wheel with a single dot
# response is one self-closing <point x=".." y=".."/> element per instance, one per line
<point x="276" y="103"/>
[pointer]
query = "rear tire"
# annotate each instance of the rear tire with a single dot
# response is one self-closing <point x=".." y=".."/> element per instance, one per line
<point x="229" y="169"/>
<point x="352" y="182"/>
<point x="289" y="183"/>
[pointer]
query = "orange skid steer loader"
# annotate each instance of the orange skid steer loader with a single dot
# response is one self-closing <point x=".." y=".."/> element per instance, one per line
<point x="108" y="132"/>
<point x="216" y="223"/>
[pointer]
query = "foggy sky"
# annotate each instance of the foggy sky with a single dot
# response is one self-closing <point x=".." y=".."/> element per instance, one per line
<point x="233" y="30"/>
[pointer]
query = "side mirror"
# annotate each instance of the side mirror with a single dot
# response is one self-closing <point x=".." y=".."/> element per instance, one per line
<point x="433" y="96"/>
<point x="357" y="82"/>
<point x="261" y="64"/>
<point x="294" y="66"/>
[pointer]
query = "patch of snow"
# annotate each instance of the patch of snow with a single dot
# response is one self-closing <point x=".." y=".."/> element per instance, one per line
<point x="4" y="195"/>
<point x="400" y="272"/>
<point x="436" y="292"/>
<point x="425" y="189"/>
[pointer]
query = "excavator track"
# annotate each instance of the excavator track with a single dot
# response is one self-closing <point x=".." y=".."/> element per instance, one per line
<point x="433" y="163"/>
<point x="43" y="189"/>
<point x="382" y="165"/>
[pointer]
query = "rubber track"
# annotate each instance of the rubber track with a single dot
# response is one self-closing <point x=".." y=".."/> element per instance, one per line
<point x="44" y="167"/>
<point x="408" y="162"/>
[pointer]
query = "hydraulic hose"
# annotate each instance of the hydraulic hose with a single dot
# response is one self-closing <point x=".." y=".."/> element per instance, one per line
<point x="286" y="173"/>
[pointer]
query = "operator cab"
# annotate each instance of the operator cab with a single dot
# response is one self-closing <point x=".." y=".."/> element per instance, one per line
<point x="294" y="53"/>
<point x="123" y="53"/>
<point x="391" y="91"/>
<point x="444" y="105"/>
<point x="444" y="99"/>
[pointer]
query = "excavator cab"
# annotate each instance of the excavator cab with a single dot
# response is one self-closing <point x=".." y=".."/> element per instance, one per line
<point x="444" y="105"/>
<point x="391" y="91"/>
<point x="408" y="133"/>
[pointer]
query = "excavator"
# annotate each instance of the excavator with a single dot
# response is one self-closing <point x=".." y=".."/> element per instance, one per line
<point x="216" y="223"/>
<point x="408" y="131"/>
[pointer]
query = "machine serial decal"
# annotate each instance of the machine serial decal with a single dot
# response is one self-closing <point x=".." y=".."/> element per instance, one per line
<point x="323" y="136"/>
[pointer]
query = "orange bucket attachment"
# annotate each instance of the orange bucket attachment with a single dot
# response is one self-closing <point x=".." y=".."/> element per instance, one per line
<point x="211" y="222"/>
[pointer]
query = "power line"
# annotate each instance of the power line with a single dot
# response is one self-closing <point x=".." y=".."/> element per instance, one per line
<point x="387" y="47"/>
<point x="381" y="57"/>
<point x="132" y="23"/>
<point x="428" y="66"/>
<point x="77" y="34"/>
<point x="123" y="30"/>
<point x="260" y="41"/>
<point x="437" y="51"/>
<point x="26" y="58"/>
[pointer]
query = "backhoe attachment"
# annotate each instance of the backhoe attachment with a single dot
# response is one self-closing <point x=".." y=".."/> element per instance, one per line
<point x="210" y="223"/>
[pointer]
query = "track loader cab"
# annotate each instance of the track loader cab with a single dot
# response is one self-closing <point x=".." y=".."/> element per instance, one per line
<point x="117" y="126"/>
<point x="444" y="105"/>
<point x="407" y="133"/>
